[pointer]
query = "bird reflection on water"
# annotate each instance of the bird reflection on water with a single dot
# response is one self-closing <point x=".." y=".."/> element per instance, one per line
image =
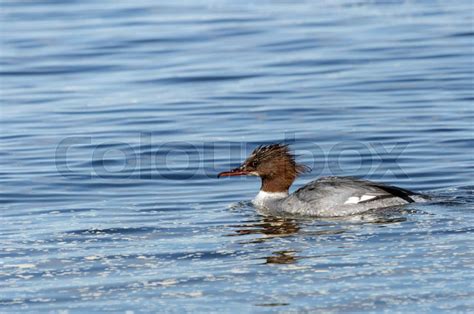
<point x="268" y="228"/>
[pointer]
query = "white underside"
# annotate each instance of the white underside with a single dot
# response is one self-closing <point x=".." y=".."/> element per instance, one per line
<point x="263" y="198"/>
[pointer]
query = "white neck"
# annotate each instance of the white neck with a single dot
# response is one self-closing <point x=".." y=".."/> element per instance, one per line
<point x="263" y="198"/>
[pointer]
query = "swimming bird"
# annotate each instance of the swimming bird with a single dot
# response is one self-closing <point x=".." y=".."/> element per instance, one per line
<point x="325" y="197"/>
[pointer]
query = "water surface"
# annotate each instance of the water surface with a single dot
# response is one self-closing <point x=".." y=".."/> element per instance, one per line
<point x="116" y="117"/>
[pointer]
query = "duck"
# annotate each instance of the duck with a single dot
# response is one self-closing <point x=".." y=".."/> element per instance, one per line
<point x="330" y="196"/>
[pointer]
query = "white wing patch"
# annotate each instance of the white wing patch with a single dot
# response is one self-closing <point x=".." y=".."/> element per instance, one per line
<point x="367" y="197"/>
<point x="352" y="200"/>
<point x="357" y="200"/>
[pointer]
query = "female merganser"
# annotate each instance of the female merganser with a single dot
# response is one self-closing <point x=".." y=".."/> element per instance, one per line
<point x="325" y="197"/>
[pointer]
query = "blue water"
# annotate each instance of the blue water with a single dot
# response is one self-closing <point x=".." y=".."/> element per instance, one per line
<point x="116" y="117"/>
